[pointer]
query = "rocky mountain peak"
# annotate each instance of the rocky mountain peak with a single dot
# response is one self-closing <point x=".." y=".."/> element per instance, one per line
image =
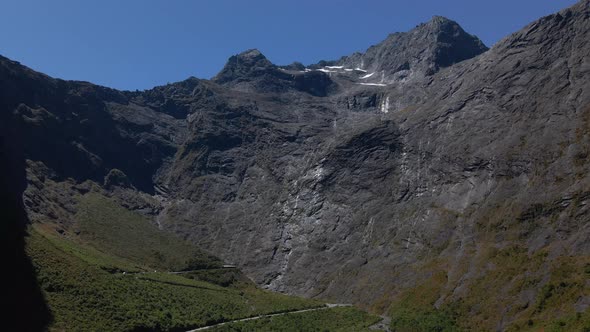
<point x="440" y="26"/>
<point x="440" y="23"/>
<point x="246" y="64"/>
<point x="249" y="58"/>
<point x="417" y="53"/>
<point x="251" y="71"/>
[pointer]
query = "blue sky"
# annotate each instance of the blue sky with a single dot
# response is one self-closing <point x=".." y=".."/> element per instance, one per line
<point x="138" y="44"/>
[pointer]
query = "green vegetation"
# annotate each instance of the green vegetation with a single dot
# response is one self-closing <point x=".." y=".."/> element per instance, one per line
<point x="495" y="294"/>
<point x="116" y="231"/>
<point x="335" y="319"/>
<point x="415" y="310"/>
<point x="428" y="320"/>
<point x="85" y="297"/>
<point x="221" y="277"/>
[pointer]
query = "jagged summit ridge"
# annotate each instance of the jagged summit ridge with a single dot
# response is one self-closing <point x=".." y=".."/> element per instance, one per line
<point x="401" y="57"/>
<point x="251" y="71"/>
<point x="420" y="52"/>
<point x="248" y="63"/>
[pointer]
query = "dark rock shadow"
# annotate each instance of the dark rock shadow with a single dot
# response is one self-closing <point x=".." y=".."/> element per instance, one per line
<point x="25" y="305"/>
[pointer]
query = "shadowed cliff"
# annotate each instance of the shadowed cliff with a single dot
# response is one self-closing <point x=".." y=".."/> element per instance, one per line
<point x="27" y="310"/>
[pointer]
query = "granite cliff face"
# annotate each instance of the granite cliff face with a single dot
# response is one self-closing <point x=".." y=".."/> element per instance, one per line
<point x="426" y="168"/>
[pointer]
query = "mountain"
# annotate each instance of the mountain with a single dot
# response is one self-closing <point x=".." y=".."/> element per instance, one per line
<point x="251" y="71"/>
<point x="420" y="52"/>
<point x="429" y="178"/>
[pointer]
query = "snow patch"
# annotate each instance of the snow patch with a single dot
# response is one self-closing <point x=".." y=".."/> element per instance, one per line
<point x="326" y="70"/>
<point x="296" y="71"/>
<point x="334" y="67"/>
<point x="358" y="69"/>
<point x="373" y="84"/>
<point x="367" y="76"/>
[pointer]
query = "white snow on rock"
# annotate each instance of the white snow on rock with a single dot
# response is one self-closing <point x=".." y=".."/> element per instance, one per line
<point x="334" y="67"/>
<point x="367" y="76"/>
<point x="373" y="84"/>
<point x="296" y="71"/>
<point x="358" y="69"/>
<point x="326" y="70"/>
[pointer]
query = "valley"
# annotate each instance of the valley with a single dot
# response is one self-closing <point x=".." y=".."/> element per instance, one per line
<point x="430" y="180"/>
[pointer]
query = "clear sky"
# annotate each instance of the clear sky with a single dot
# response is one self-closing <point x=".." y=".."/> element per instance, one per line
<point x="138" y="44"/>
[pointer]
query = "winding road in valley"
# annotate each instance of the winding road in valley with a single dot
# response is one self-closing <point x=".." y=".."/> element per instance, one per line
<point x="382" y="325"/>
<point x="327" y="306"/>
